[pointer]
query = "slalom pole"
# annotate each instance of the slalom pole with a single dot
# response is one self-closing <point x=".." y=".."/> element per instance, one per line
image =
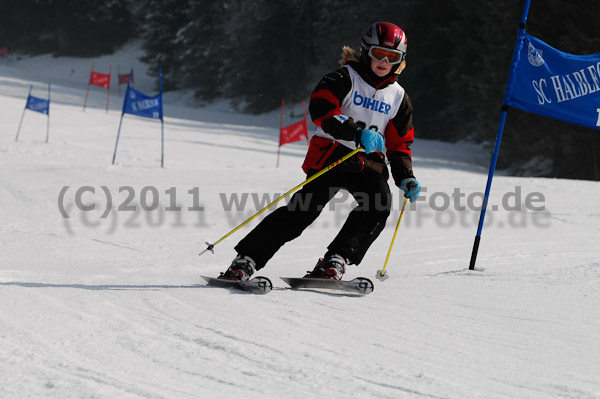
<point x="313" y="177"/>
<point x="108" y="91"/>
<point x="280" y="128"/>
<point x="88" y="88"/>
<point x="381" y="275"/>
<point x="117" y="141"/>
<point x="499" y="132"/>
<point x="305" y="122"/>
<point x="23" y="114"/>
<point x="162" y="139"/>
<point x="162" y="118"/>
<point x="48" y="121"/>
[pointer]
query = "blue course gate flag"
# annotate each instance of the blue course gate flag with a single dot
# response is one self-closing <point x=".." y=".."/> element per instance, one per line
<point x="140" y="104"/>
<point x="38" y="104"/>
<point x="549" y="82"/>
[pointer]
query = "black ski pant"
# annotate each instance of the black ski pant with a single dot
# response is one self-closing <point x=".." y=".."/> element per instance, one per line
<point x="363" y="225"/>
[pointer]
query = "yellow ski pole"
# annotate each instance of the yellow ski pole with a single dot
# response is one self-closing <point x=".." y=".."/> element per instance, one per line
<point x="313" y="177"/>
<point x="381" y="273"/>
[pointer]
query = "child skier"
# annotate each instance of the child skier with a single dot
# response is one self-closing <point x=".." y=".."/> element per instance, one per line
<point x="360" y="104"/>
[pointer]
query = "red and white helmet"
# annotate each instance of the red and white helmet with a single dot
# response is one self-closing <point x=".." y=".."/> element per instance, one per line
<point x="387" y="37"/>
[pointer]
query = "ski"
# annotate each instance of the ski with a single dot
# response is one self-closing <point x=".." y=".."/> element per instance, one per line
<point x="257" y="285"/>
<point x="360" y="285"/>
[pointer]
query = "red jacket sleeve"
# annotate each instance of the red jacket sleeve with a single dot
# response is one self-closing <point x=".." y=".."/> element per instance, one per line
<point x="325" y="105"/>
<point x="399" y="135"/>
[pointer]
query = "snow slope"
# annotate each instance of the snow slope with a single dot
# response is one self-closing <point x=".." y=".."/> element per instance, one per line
<point x="110" y="303"/>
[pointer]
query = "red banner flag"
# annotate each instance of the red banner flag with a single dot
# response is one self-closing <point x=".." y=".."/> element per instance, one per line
<point x="100" y="79"/>
<point x="124" y="78"/>
<point x="3" y="51"/>
<point x="292" y="133"/>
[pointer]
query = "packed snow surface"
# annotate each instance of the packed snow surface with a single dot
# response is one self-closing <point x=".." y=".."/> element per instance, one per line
<point x="100" y="287"/>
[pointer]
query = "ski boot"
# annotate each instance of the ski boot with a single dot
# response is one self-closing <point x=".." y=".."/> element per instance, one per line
<point x="242" y="268"/>
<point x="331" y="267"/>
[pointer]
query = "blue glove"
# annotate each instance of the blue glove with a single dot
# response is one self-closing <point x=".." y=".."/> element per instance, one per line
<point x="370" y="140"/>
<point x="411" y="188"/>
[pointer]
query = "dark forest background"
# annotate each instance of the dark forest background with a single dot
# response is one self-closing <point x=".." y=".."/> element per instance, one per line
<point x="257" y="52"/>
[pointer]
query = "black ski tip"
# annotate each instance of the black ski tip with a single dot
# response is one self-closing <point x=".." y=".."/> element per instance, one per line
<point x="257" y="285"/>
<point x="364" y="284"/>
<point x="359" y="285"/>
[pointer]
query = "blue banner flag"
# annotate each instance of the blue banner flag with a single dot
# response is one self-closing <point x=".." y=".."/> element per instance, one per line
<point x="138" y="103"/>
<point x="38" y="104"/>
<point x="549" y="82"/>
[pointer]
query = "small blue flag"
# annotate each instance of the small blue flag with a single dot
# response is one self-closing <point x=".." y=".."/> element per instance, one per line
<point x="138" y="103"/>
<point x="38" y="104"/>
<point x="549" y="82"/>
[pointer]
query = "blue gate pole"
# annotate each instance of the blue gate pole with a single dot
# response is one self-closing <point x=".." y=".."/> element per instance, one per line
<point x="23" y="114"/>
<point x="48" y="121"/>
<point x="121" y="121"/>
<point x="117" y="142"/>
<point x="505" y="108"/>
<point x="162" y="121"/>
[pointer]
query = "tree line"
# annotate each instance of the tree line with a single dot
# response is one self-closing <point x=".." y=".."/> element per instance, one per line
<point x="256" y="53"/>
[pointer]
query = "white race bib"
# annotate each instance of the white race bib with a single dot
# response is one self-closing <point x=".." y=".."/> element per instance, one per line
<point x="369" y="107"/>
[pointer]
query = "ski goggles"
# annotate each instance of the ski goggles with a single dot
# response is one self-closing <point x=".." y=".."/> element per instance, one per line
<point x="382" y="53"/>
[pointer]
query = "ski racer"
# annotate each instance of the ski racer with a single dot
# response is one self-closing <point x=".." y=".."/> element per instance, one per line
<point x="360" y="104"/>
